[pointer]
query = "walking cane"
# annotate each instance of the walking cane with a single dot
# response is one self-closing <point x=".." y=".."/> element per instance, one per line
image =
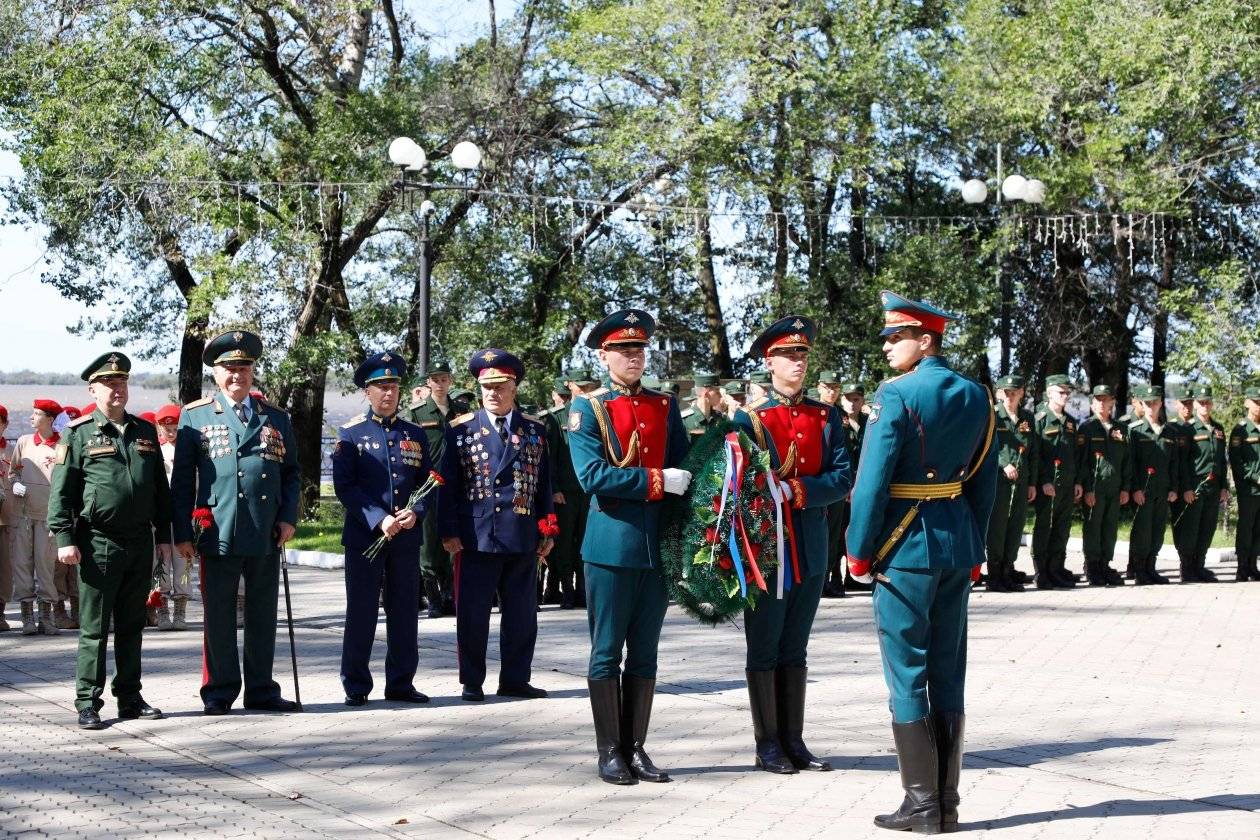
<point x="288" y="610"/>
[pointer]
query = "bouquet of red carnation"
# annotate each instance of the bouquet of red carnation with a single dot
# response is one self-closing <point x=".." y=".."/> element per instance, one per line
<point x="434" y="482"/>
<point x="202" y="520"/>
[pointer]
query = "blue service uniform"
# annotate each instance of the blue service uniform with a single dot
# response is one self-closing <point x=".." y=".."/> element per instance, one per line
<point x="818" y="471"/>
<point x="929" y="432"/>
<point x="620" y="440"/>
<point x="247" y="474"/>
<point x="496" y="496"/>
<point x="377" y="464"/>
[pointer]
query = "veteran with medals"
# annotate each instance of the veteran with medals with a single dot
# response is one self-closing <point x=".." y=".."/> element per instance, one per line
<point x="236" y="455"/>
<point x="626" y="442"/>
<point x="109" y="495"/>
<point x="810" y="461"/>
<point x="497" y="516"/>
<point x="921" y="505"/>
<point x="379" y="462"/>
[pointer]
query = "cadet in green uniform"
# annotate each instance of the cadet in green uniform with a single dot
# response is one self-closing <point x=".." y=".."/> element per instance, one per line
<point x="828" y="393"/>
<point x="109" y="494"/>
<point x="1016" y="444"/>
<point x="734" y="396"/>
<point x="707" y="409"/>
<point x="433" y="415"/>
<point x="1106" y="472"/>
<point x="1180" y="405"/>
<point x="564" y="563"/>
<point x="853" y="420"/>
<point x="553" y="420"/>
<point x="758" y="384"/>
<point x="1158" y="453"/>
<point x="236" y="455"/>
<point x="1208" y="485"/>
<point x="1057" y="487"/>
<point x="1244" y="462"/>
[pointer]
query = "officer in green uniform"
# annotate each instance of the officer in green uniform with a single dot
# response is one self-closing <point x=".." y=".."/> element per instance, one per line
<point x="109" y="495"/>
<point x="433" y="415"/>
<point x="1016" y="443"/>
<point x="707" y="408"/>
<point x="1158" y="453"/>
<point x="1105" y="470"/>
<point x="626" y="443"/>
<point x="1244" y="463"/>
<point x="1180" y="409"/>
<point x="236" y="455"/>
<point x="1058" y="489"/>
<point x="758" y="384"/>
<point x="1208" y="487"/>
<point x="853" y="420"/>
<point x="827" y="392"/>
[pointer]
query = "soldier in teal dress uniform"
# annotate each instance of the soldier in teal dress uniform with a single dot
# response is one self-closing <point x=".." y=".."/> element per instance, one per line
<point x="626" y="443"/>
<point x="810" y="459"/>
<point x="236" y="454"/>
<point x="921" y="505"/>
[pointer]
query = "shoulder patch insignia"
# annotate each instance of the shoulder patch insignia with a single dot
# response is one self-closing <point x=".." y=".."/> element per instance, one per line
<point x="874" y="415"/>
<point x="575" y="421"/>
<point x="87" y="418"/>
<point x="199" y="403"/>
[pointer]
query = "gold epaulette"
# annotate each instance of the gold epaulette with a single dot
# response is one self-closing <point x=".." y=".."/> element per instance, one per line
<point x="463" y="418"/>
<point x="86" y="418"/>
<point x="354" y="421"/>
<point x="199" y="403"/>
<point x="757" y="403"/>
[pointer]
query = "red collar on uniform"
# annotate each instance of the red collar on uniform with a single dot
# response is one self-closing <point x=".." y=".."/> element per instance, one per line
<point x="51" y="441"/>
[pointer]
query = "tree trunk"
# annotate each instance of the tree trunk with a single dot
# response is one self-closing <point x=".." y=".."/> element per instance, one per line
<point x="719" y="345"/>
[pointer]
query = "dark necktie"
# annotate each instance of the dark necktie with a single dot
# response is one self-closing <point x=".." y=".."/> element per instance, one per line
<point x="501" y="424"/>
<point x="240" y="413"/>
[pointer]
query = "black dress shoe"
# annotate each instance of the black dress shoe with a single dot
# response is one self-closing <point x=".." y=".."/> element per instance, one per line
<point x="89" y="719"/>
<point x="138" y="709"/>
<point x="216" y="707"/>
<point x="408" y="696"/>
<point x="356" y="699"/>
<point x="472" y="693"/>
<point x="276" y="704"/>
<point x="527" y="691"/>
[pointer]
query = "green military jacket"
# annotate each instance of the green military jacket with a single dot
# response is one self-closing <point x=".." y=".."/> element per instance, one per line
<point x="1103" y="463"/>
<point x="1244" y="458"/>
<point x="1207" y="458"/>
<point x="696" y="423"/>
<point x="563" y="478"/>
<point x="1055" y="448"/>
<point x="853" y="437"/>
<point x="429" y="417"/>
<point x="1158" y="458"/>
<point x="247" y="475"/>
<point x="1016" y="443"/>
<point x="108" y="479"/>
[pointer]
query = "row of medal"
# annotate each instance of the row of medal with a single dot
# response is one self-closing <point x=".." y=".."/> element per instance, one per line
<point x="272" y="443"/>
<point x="216" y="440"/>
<point x="412" y="452"/>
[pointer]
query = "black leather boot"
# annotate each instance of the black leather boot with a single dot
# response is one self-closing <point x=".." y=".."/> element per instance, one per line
<point x="790" y="685"/>
<point x="995" y="580"/>
<point x="636" y="712"/>
<point x="606" y="709"/>
<point x="566" y="593"/>
<point x="917" y="759"/>
<point x="770" y="755"/>
<point x="949" y="752"/>
<point x="1153" y="574"/>
<point x="433" y="594"/>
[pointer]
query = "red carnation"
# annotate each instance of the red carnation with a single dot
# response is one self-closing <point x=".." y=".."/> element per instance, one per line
<point x="1058" y="462"/>
<point x="436" y="478"/>
<point x="711" y="535"/>
<point x="717" y="504"/>
<point x="203" y="517"/>
<point x="757" y="504"/>
<point x="155" y="599"/>
<point x="766" y="525"/>
<point x="724" y="562"/>
<point x="1211" y="476"/>
<point x="760" y="481"/>
<point x="549" y="526"/>
<point x="1150" y="471"/>
<point x="1098" y="455"/>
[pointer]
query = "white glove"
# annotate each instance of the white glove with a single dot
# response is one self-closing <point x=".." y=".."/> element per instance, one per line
<point x="865" y="579"/>
<point x="676" y="481"/>
<point x="19" y="489"/>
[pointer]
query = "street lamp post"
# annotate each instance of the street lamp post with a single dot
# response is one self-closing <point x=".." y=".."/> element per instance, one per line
<point x="407" y="155"/>
<point x="1013" y="188"/>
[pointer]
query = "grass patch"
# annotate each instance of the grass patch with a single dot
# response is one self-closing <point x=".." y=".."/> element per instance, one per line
<point x="321" y="532"/>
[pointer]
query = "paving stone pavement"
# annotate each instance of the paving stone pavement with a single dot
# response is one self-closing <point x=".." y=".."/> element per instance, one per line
<point x="1091" y="713"/>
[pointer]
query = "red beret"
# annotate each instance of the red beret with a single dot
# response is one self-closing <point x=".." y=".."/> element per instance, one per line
<point x="148" y="415"/>
<point x="49" y="407"/>
<point x="4" y="414"/>
<point x="168" y="414"/>
<point x="71" y="412"/>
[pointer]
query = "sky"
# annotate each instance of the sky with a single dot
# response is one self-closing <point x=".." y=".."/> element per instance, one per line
<point x="34" y="317"/>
